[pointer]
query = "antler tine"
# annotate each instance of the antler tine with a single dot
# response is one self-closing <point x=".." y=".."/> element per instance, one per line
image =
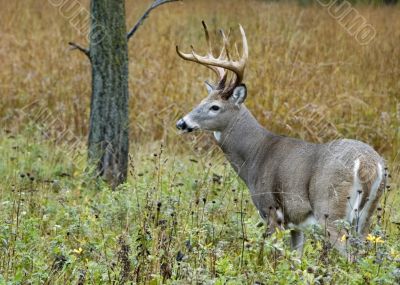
<point x="225" y="41"/>
<point x="196" y="58"/>
<point x="237" y="51"/>
<point x="220" y="72"/>
<point x="207" y="38"/>
<point x="241" y="64"/>
<point x="221" y="64"/>
<point x="245" y="54"/>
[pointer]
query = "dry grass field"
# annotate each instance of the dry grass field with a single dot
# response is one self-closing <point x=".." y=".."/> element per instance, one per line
<point x="307" y="77"/>
<point x="302" y="64"/>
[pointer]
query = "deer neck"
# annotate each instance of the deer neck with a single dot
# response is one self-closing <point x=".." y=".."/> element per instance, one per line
<point x="241" y="141"/>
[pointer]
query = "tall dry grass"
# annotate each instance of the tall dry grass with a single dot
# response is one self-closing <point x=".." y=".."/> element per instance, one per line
<point x="306" y="76"/>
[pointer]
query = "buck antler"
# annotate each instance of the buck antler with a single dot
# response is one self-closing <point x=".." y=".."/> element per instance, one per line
<point x="223" y="62"/>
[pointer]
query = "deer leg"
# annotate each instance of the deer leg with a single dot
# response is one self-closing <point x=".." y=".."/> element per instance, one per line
<point x="297" y="241"/>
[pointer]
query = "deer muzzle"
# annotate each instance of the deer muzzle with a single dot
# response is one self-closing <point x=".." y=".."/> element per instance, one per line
<point x="181" y="125"/>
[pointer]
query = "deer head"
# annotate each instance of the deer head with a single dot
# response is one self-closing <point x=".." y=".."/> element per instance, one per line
<point x="225" y="97"/>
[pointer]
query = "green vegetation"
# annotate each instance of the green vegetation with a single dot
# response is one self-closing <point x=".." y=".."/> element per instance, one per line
<point x="180" y="219"/>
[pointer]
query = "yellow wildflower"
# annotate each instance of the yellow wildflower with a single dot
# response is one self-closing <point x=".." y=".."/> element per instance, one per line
<point x="78" y="251"/>
<point x="374" y="239"/>
<point x="344" y="238"/>
<point x="371" y="238"/>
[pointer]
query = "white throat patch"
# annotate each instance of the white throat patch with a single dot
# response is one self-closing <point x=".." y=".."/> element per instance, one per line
<point x="217" y="136"/>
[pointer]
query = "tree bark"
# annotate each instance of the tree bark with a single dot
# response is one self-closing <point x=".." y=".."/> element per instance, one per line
<point x="108" y="143"/>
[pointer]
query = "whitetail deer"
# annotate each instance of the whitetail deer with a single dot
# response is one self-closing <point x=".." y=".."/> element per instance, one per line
<point x="292" y="183"/>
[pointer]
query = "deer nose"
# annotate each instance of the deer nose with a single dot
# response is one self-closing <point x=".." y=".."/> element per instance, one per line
<point x="181" y="125"/>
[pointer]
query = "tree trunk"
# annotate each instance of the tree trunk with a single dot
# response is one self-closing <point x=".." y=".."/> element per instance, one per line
<point x="108" y="145"/>
<point x="109" y="118"/>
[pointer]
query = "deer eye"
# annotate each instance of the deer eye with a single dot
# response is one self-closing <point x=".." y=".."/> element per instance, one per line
<point x="214" y="108"/>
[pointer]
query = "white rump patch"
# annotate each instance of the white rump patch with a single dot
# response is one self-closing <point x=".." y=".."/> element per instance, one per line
<point x="355" y="197"/>
<point x="217" y="136"/>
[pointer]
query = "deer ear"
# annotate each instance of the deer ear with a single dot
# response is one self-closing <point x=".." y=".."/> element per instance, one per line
<point x="239" y="94"/>
<point x="209" y="87"/>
